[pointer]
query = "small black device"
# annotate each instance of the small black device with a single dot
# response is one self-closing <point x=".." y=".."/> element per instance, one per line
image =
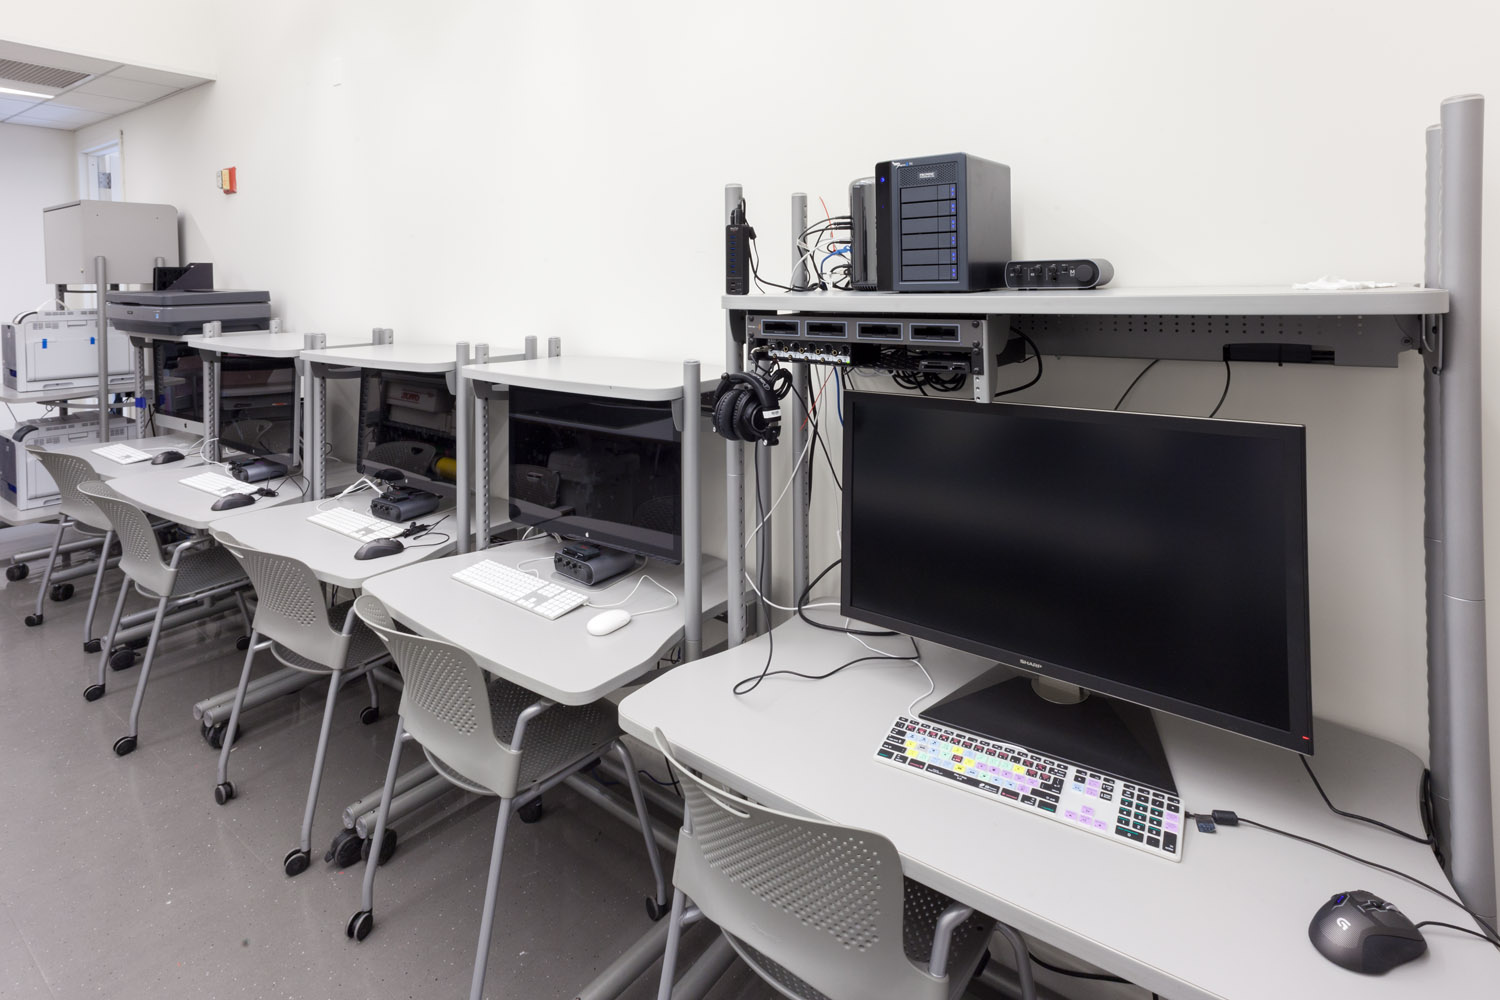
<point x="377" y="547"/>
<point x="1364" y="933"/>
<point x="163" y="457"/>
<point x="1084" y="272"/>
<point x="187" y="277"/>
<point x="864" y="247"/>
<point x="737" y="237"/>
<point x="233" y="501"/>
<point x="591" y="564"/>
<point x="404" y="503"/>
<point x="256" y="470"/>
<point x="19" y="434"/>
<point x="942" y="224"/>
<point x="747" y="405"/>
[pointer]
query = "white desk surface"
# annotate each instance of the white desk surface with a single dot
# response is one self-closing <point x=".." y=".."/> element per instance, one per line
<point x="1229" y="920"/>
<point x="285" y="530"/>
<point x="403" y="357"/>
<point x="15" y="516"/>
<point x="159" y="491"/>
<point x="265" y="344"/>
<point x="556" y="659"/>
<point x="1188" y="300"/>
<point x="110" y="469"/>
<point x="616" y="378"/>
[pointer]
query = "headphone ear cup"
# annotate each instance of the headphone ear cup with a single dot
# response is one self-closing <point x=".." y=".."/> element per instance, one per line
<point x="747" y="417"/>
<point x="724" y="419"/>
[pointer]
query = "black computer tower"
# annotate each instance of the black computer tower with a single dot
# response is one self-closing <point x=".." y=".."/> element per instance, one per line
<point x="943" y="224"/>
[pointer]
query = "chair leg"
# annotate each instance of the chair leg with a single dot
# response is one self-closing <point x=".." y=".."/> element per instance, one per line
<point x="674" y="938"/>
<point x="88" y="618"/>
<point x="491" y="890"/>
<point x="297" y="860"/>
<point x="658" y="902"/>
<point x="96" y="690"/>
<point x="127" y="744"/>
<point x="41" y="593"/>
<point x="373" y="712"/>
<point x="1023" y="960"/>
<point x="239" y="597"/>
<point x="362" y="922"/>
<point x="224" y="790"/>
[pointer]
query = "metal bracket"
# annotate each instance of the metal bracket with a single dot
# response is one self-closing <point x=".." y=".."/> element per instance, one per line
<point x="1432" y="343"/>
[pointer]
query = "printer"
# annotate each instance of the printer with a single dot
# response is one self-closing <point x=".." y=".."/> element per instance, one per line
<point x="181" y="312"/>
<point x="26" y="482"/>
<point x="59" y="350"/>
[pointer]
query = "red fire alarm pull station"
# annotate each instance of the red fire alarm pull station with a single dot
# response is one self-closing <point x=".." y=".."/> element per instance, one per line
<point x="227" y="180"/>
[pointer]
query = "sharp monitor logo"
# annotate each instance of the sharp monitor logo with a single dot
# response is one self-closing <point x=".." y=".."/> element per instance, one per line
<point x="927" y="176"/>
<point x="1030" y="663"/>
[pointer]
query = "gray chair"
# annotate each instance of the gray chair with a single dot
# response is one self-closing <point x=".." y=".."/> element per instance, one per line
<point x="195" y="571"/>
<point x="415" y="457"/>
<point x="294" y="621"/>
<point x="820" y="912"/>
<point x="491" y="737"/>
<point x="79" y="513"/>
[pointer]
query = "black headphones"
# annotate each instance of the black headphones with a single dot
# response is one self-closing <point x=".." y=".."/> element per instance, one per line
<point x="747" y="405"/>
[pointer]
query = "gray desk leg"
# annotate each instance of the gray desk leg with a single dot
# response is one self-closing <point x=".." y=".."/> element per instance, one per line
<point x="692" y="515"/>
<point x="481" y="457"/>
<point x="141" y="402"/>
<point x="801" y="474"/>
<point x="764" y="550"/>
<point x="101" y="339"/>
<point x="734" y="470"/>
<point x="1465" y="793"/>
<point x="463" y="417"/>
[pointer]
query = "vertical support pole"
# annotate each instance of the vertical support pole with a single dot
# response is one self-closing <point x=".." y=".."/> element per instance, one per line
<point x="463" y="416"/>
<point x="802" y="466"/>
<point x="554" y="347"/>
<point x="101" y="342"/>
<point x="481" y="457"/>
<point x="530" y="348"/>
<point x="1440" y="759"/>
<point x="1464" y="793"/>
<point x="313" y="428"/>
<point x="142" y="402"/>
<point x="299" y="390"/>
<point x="211" y="386"/>
<point x="801" y="272"/>
<point x="734" y="468"/>
<point x="692" y="514"/>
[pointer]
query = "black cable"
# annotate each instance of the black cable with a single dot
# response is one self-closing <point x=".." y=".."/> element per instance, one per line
<point x="802" y="610"/>
<point x="759" y="281"/>
<point x="1454" y="927"/>
<point x="1355" y="816"/>
<point x="1225" y="394"/>
<point x="754" y="682"/>
<point x="1139" y="375"/>
<point x="812" y="423"/>
<point x="761" y="598"/>
<point x="1102" y="977"/>
<point x="1037" y="355"/>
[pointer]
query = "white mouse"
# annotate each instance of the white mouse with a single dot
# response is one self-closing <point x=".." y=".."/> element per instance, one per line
<point x="608" y="621"/>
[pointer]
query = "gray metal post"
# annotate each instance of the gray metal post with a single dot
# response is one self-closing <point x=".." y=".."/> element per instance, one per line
<point x="142" y="403"/>
<point x="462" y="417"/>
<point x="554" y="347"/>
<point x="734" y="469"/>
<point x="211" y="386"/>
<point x="481" y="457"/>
<point x="802" y="466"/>
<point x="1440" y="759"/>
<point x="801" y="272"/>
<point x="763" y="547"/>
<point x="692" y="514"/>
<point x="101" y="341"/>
<point x="706" y="971"/>
<point x="530" y="349"/>
<point x="1464" y="794"/>
<point x="317" y="433"/>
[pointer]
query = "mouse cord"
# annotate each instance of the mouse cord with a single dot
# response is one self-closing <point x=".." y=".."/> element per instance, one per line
<point x="1428" y="841"/>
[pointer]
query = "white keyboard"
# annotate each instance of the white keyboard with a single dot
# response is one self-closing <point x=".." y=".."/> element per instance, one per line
<point x="123" y="453"/>
<point x="360" y="527"/>
<point x="219" y="486"/>
<point x="550" y="600"/>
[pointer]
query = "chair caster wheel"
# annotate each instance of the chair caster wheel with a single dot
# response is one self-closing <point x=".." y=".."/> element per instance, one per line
<point x="224" y="792"/>
<point x="61" y="591"/>
<point x="242" y="643"/>
<point x="656" y="910"/>
<point x="93" y="646"/>
<point x="360" y="925"/>
<point x="93" y="692"/>
<point x="369" y="715"/>
<point x="122" y="659"/>
<point x="124" y="745"/>
<point x="387" y="847"/>
<point x="215" y="734"/>
<point x="14" y="573"/>
<point x="344" y="851"/>
<point x="32" y="621"/>
<point x="531" y="811"/>
<point x="295" y="863"/>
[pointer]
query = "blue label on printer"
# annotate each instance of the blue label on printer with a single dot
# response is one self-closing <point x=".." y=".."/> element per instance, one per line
<point x="44" y="343"/>
<point x="91" y="340"/>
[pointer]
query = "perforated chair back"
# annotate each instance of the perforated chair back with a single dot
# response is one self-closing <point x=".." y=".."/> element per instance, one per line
<point x="140" y="553"/>
<point x="409" y="456"/>
<point x="68" y="471"/>
<point x="289" y="604"/>
<point x="815" y="909"/>
<point x="445" y="703"/>
<point x="535" y="484"/>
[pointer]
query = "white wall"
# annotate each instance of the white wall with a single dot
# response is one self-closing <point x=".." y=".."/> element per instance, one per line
<point x="37" y="169"/>
<point x="486" y="171"/>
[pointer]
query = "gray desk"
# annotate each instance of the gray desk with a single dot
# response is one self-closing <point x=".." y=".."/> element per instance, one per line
<point x="158" y="491"/>
<point x="1229" y="920"/>
<point x="556" y="659"/>
<point x="110" y="469"/>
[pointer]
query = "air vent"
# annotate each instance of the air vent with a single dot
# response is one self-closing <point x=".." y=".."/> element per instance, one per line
<point x="39" y="76"/>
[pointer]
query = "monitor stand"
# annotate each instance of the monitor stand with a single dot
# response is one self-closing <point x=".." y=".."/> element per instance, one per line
<point x="1099" y="733"/>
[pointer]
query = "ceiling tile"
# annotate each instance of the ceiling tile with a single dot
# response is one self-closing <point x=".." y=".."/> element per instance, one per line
<point x="41" y="123"/>
<point x="130" y="90"/>
<point x="93" y="102"/>
<point x="161" y="77"/>
<point x="67" y="116"/>
<point x="14" y="105"/>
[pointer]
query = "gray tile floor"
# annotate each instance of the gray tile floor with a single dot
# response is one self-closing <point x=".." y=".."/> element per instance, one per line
<point x="121" y="878"/>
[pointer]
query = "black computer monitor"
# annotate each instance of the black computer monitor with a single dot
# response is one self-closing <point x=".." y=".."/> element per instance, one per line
<point x="605" y="470"/>
<point x="1157" y="560"/>
<point x="407" y="426"/>
<point x="257" y="404"/>
<point x="179" y="386"/>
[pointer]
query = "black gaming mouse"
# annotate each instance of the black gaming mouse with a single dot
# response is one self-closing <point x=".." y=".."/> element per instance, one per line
<point x="233" y="500"/>
<point x="163" y="457"/>
<point x="377" y="547"/>
<point x="1362" y="932"/>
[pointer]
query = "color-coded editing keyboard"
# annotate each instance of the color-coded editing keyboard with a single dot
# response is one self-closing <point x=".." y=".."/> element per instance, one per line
<point x="1102" y="804"/>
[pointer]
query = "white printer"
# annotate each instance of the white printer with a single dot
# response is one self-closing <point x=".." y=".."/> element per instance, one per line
<point x="58" y="350"/>
<point x="26" y="482"/>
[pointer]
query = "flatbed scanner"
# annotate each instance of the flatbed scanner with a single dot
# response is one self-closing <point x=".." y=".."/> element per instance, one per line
<point x="181" y="312"/>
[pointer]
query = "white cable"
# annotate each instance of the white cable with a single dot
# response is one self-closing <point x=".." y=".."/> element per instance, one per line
<point x="911" y="710"/>
<point x="796" y="466"/>
<point x="778" y="607"/>
<point x="359" y="484"/>
<point x="533" y="572"/>
<point x="637" y="614"/>
<point x="931" y="685"/>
